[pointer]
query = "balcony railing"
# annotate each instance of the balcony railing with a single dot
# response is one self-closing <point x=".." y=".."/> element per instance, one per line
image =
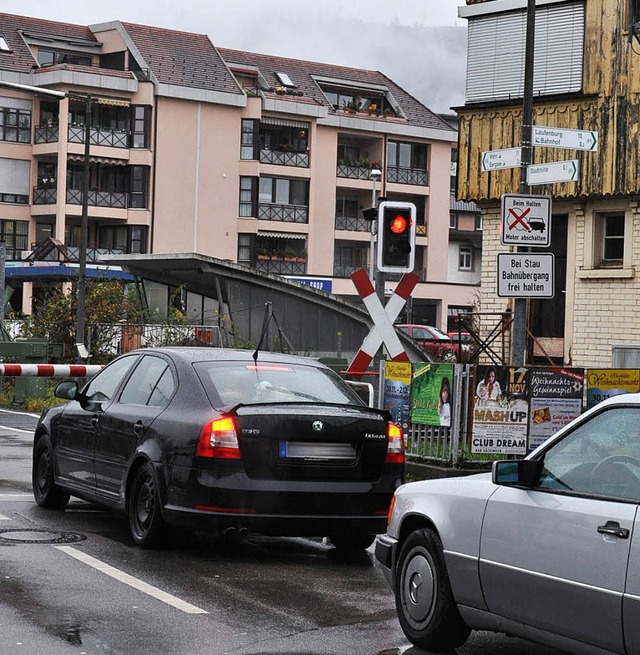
<point x="280" y="158"/>
<point x="342" y="270"/>
<point x="97" y="198"/>
<point x="407" y="175"/>
<point x="286" y="213"/>
<point x="99" y="136"/>
<point x="280" y="266"/>
<point x="47" y="134"/>
<point x="44" y="196"/>
<point x="354" y="172"/>
<point x="355" y="224"/>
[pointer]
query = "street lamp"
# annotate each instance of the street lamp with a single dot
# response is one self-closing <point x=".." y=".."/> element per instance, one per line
<point x="81" y="349"/>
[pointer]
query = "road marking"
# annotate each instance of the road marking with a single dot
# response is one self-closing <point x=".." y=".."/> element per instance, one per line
<point x="127" y="579"/>
<point x="6" y="427"/>
<point x="12" y="411"/>
<point x="16" y="496"/>
<point x="5" y="518"/>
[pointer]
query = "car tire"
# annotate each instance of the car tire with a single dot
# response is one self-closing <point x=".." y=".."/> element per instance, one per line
<point x="351" y="541"/>
<point x="45" y="491"/>
<point x="145" y="516"/>
<point x="426" y="609"/>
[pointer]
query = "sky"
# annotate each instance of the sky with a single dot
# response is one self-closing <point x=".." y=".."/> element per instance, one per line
<point x="419" y="44"/>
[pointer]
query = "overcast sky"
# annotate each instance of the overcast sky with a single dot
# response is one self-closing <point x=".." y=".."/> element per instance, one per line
<point x="420" y="44"/>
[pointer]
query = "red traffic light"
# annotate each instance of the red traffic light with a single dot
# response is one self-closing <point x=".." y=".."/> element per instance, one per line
<point x="398" y="224"/>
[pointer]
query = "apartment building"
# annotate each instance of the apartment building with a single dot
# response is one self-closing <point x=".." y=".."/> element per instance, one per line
<point x="264" y="161"/>
<point x="586" y="78"/>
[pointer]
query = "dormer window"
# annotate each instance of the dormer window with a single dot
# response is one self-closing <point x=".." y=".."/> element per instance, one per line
<point x="4" y="46"/>
<point x="356" y="99"/>
<point x="52" y="57"/>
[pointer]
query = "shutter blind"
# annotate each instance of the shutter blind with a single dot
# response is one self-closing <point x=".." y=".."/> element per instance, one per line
<point x="496" y="53"/>
<point x="14" y="176"/>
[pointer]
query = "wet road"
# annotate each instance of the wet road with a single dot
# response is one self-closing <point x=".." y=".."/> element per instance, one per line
<point x="73" y="582"/>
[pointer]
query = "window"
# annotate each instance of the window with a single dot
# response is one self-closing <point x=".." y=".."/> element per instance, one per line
<point x="478" y="221"/>
<point x="245" y="248"/>
<point x="15" y="180"/>
<point x="248" y="139"/>
<point x="15" y="235"/>
<point x="609" y="240"/>
<point x="151" y="383"/>
<point x="347" y="207"/>
<point x="283" y="191"/>
<point x="138" y="184"/>
<point x="358" y="99"/>
<point x="53" y="57"/>
<point x="465" y="258"/>
<point x="140" y="126"/>
<point x="4" y="46"/>
<point x="601" y="456"/>
<point x="453" y="221"/>
<point x="407" y="155"/>
<point x="15" y="125"/>
<point x="248" y="197"/>
<point x="104" y="384"/>
<point x="124" y="238"/>
<point x="285" y="80"/>
<point x="496" y="51"/>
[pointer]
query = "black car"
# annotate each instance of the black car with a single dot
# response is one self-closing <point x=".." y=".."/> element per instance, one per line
<point x="221" y="439"/>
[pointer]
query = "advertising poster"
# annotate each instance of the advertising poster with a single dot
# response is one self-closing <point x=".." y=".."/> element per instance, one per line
<point x="431" y="398"/>
<point x="607" y="382"/>
<point x="500" y="410"/>
<point x="397" y="393"/>
<point x="556" y="396"/>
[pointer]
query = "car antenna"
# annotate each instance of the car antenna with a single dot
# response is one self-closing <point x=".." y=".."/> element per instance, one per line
<point x="268" y="315"/>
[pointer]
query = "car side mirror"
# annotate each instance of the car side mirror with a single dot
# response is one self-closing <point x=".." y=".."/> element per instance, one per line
<point x="516" y="472"/>
<point x="67" y="390"/>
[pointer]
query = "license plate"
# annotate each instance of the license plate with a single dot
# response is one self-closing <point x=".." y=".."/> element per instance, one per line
<point x="316" y="450"/>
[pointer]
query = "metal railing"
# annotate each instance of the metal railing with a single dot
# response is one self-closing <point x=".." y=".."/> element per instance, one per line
<point x="99" y="136"/>
<point x="97" y="198"/>
<point x="280" y="266"/>
<point x="354" y="172"/>
<point x="407" y="175"/>
<point x="286" y="213"/>
<point x="47" y="134"/>
<point x="354" y="224"/>
<point x="281" y="158"/>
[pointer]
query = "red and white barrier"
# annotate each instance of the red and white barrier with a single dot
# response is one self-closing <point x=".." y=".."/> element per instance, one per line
<point x="50" y="370"/>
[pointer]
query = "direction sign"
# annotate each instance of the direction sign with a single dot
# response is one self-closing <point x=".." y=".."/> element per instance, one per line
<point x="526" y="220"/>
<point x="554" y="137"/>
<point x="525" y="275"/>
<point x="559" y="171"/>
<point x="493" y="160"/>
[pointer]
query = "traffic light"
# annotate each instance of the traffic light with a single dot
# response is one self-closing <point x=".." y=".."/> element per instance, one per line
<point x="396" y="237"/>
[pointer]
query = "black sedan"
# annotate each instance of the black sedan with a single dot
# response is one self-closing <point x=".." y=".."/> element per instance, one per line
<point x="220" y="439"/>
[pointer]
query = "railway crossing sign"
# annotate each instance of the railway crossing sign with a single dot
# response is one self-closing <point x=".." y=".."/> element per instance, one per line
<point x="382" y="331"/>
<point x="526" y="220"/>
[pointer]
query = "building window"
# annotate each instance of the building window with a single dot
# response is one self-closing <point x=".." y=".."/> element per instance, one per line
<point x="610" y="239"/>
<point x="140" y="126"/>
<point x="15" y="125"/>
<point x="248" y="197"/>
<point x="124" y="238"/>
<point x="53" y="57"/>
<point x="407" y="163"/>
<point x="366" y="100"/>
<point x="4" y="46"/>
<point x="478" y="222"/>
<point x="465" y="258"/>
<point x="248" y="139"/>
<point x="453" y="221"/>
<point x="245" y="247"/>
<point x="44" y="231"/>
<point x="138" y="187"/>
<point x="15" y="235"/>
<point x="496" y="43"/>
<point x="283" y="191"/>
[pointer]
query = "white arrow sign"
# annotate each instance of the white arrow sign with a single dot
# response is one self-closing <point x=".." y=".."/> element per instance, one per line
<point x="559" y="171"/>
<point x="493" y="160"/>
<point x="554" y="137"/>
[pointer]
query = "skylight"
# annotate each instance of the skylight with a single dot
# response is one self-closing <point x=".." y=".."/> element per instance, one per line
<point x="285" y="80"/>
<point x="4" y="46"/>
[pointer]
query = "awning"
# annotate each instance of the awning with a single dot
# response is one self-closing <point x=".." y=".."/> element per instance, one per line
<point x="99" y="160"/>
<point x="284" y="122"/>
<point x="282" y="235"/>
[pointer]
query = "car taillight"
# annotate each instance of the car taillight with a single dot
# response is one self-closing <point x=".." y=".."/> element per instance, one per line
<point x="219" y="438"/>
<point x="395" y="445"/>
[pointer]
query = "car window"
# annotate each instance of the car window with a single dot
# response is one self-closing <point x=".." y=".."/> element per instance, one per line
<point x="601" y="456"/>
<point x="164" y="389"/>
<point x="103" y="386"/>
<point x="144" y="382"/>
<point x="239" y="382"/>
<point x="420" y="333"/>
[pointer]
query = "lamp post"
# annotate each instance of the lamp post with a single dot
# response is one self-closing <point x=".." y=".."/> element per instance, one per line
<point x="84" y="232"/>
<point x="375" y="276"/>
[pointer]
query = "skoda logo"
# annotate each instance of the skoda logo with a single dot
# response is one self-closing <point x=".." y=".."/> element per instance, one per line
<point x="318" y="426"/>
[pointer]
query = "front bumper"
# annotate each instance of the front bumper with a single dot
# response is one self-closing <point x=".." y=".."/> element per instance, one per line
<point x="385" y="552"/>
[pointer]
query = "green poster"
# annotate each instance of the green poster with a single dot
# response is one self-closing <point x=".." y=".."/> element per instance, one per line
<point x="431" y="398"/>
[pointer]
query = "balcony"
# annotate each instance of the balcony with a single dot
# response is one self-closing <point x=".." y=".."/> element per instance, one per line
<point x="96" y="198"/>
<point x="99" y="136"/>
<point x="353" y="224"/>
<point x="285" y="213"/>
<point x="284" y="158"/>
<point x="280" y="265"/>
<point x="47" y="134"/>
<point x="407" y="175"/>
<point x="355" y="171"/>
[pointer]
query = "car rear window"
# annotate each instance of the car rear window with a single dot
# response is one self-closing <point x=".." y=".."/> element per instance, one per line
<point x="230" y="383"/>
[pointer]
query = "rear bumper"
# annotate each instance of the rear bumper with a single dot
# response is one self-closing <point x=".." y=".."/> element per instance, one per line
<point x="385" y="551"/>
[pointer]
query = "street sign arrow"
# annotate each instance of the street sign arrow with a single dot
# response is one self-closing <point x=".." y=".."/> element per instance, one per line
<point x="493" y="160"/>
<point x="554" y="137"/>
<point x="559" y="171"/>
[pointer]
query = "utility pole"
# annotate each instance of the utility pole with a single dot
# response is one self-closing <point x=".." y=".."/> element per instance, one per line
<point x="521" y="305"/>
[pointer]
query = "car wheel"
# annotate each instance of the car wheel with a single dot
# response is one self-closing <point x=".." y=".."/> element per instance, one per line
<point x="145" y="518"/>
<point x="351" y="541"/>
<point x="426" y="609"/>
<point x="46" y="492"/>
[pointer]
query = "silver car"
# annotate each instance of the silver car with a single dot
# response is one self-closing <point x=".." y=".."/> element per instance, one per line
<point x="546" y="548"/>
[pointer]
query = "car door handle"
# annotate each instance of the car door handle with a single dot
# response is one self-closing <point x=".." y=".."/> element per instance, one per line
<point x="137" y="427"/>
<point x="613" y="528"/>
<point x="94" y="421"/>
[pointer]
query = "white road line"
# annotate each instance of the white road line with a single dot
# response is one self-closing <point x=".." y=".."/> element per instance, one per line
<point x="5" y="518"/>
<point x="127" y="579"/>
<point x="6" y="427"/>
<point x="16" y="496"/>
<point x="12" y="411"/>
